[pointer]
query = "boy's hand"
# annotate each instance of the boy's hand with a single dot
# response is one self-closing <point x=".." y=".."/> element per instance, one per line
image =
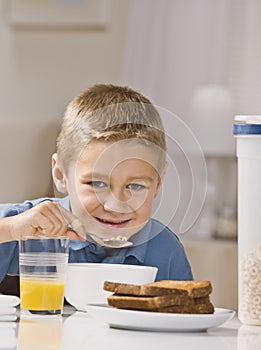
<point x="48" y="219"/>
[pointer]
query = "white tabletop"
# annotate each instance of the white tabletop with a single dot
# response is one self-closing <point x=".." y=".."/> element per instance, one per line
<point x="78" y="330"/>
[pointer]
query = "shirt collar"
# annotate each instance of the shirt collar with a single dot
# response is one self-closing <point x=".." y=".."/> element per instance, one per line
<point x="140" y="241"/>
<point x="142" y="238"/>
<point x="65" y="202"/>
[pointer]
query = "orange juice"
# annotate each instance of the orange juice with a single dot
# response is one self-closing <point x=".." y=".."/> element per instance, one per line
<point x="41" y="294"/>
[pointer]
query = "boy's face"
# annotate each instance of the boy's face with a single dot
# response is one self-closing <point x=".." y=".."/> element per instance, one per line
<point x="112" y="187"/>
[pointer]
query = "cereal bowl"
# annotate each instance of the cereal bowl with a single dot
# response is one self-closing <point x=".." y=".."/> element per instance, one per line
<point x="84" y="283"/>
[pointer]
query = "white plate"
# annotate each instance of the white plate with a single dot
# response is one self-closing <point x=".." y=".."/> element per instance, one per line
<point x="155" y="321"/>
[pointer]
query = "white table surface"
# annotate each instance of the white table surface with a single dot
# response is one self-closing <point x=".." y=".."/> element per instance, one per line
<point x="78" y="330"/>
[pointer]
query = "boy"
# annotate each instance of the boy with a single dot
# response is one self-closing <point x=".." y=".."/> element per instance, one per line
<point x="110" y="162"/>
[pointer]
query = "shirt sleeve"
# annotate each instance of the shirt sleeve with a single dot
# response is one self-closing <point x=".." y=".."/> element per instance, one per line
<point x="14" y="209"/>
<point x="9" y="252"/>
<point x="9" y="261"/>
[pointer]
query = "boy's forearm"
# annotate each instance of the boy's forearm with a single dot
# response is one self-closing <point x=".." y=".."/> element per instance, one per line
<point x="5" y="232"/>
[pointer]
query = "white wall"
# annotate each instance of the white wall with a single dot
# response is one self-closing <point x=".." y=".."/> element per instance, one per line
<point x="173" y="47"/>
<point x="40" y="71"/>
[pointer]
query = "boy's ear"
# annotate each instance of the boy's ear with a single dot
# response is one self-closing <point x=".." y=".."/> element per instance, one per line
<point x="59" y="177"/>
<point x="161" y="177"/>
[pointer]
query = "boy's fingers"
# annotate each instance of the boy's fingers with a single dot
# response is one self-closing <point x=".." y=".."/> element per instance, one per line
<point x="51" y="223"/>
<point x="74" y="236"/>
<point x="74" y="223"/>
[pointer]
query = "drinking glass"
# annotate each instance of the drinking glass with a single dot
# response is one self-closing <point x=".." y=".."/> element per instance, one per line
<point x="43" y="263"/>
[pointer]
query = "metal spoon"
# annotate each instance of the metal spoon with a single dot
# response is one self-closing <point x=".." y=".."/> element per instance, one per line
<point x="118" y="242"/>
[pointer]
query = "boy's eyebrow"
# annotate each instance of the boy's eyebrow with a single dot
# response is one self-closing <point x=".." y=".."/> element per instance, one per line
<point x="91" y="175"/>
<point x="143" y="177"/>
<point x="104" y="176"/>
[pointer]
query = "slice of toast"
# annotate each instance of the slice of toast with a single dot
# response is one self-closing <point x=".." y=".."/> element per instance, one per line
<point x="154" y="303"/>
<point x="205" y="308"/>
<point x="195" y="289"/>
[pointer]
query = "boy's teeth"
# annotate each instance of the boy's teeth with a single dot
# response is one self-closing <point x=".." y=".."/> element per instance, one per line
<point x="111" y="222"/>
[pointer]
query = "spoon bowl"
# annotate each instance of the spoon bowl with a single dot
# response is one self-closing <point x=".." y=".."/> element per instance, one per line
<point x="114" y="242"/>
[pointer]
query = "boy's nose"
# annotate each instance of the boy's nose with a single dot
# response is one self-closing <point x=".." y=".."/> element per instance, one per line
<point x="118" y="206"/>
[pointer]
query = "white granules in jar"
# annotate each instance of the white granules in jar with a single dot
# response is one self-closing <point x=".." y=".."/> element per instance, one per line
<point x="250" y="287"/>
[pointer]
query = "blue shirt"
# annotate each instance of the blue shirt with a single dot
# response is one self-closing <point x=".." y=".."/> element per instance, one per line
<point x="154" y="245"/>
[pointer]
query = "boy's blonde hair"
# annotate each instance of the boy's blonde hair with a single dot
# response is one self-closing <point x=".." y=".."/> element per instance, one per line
<point x="109" y="113"/>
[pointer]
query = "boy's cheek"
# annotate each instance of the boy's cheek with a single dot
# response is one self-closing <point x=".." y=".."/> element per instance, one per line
<point x="138" y="201"/>
<point x="89" y="205"/>
<point x="80" y="206"/>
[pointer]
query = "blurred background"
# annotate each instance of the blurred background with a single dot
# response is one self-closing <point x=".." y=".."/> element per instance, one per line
<point x="198" y="59"/>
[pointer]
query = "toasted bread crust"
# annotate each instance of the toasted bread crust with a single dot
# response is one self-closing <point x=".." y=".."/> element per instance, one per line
<point x="147" y="303"/>
<point x="153" y="303"/>
<point x="207" y="308"/>
<point x="194" y="289"/>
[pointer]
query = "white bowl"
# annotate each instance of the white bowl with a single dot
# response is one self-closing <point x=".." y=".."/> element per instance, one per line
<point x="84" y="283"/>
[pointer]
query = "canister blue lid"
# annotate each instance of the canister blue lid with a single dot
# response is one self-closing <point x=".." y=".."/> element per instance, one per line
<point x="247" y="125"/>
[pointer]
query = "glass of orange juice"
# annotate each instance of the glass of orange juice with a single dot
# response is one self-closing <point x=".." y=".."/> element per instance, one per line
<point x="43" y="262"/>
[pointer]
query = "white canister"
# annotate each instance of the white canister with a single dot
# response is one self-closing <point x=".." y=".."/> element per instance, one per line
<point x="247" y="130"/>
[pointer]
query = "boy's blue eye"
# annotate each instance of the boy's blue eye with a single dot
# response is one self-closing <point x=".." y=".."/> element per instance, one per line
<point x="136" y="187"/>
<point x="97" y="184"/>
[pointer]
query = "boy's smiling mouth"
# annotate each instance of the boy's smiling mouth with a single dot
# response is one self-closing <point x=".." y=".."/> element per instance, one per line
<point x="113" y="223"/>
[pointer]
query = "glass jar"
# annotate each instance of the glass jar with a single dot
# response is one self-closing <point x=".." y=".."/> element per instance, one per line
<point x="247" y="130"/>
